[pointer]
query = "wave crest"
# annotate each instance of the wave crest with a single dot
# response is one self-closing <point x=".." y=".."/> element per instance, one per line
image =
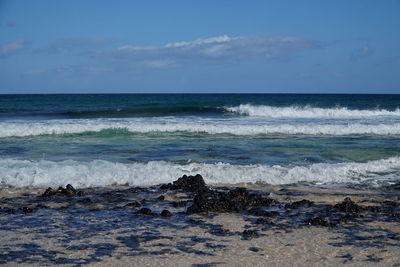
<point x="34" y="128"/>
<point x="23" y="173"/>
<point x="308" y="112"/>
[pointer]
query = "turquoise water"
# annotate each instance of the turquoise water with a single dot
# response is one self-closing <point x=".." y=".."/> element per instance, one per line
<point x="100" y="140"/>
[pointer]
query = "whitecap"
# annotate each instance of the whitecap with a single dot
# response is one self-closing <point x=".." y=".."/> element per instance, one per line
<point x="308" y="112"/>
<point x="170" y="125"/>
<point x="43" y="173"/>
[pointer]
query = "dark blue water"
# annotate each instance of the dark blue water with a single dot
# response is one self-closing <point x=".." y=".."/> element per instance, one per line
<point x="136" y="105"/>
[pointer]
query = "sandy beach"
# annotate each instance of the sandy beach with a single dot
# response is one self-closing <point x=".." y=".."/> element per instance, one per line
<point x="125" y="226"/>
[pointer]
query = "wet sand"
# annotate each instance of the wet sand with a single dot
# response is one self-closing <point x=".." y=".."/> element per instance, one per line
<point x="112" y="226"/>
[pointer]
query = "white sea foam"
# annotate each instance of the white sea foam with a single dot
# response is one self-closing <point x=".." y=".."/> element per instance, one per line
<point x="22" y="173"/>
<point x="308" y="112"/>
<point x="33" y="128"/>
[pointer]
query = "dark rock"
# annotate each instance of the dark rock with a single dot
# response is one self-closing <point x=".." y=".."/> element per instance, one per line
<point x="26" y="209"/>
<point x="61" y="191"/>
<point x="261" y="221"/>
<point x="68" y="191"/>
<point x="249" y="233"/>
<point x="134" y="204"/>
<point x="80" y="194"/>
<point x="178" y="204"/>
<point x="260" y="201"/>
<point x="49" y="192"/>
<point x="145" y="211"/>
<point x="318" y="221"/>
<point x="348" y="206"/>
<point x="373" y="209"/>
<point x="219" y="231"/>
<point x="345" y="218"/>
<point x="165" y="213"/>
<point x="232" y="201"/>
<point x="254" y="249"/>
<point x="260" y="212"/>
<point x="161" y="198"/>
<point x="71" y="188"/>
<point x="189" y="183"/>
<point x="298" y="204"/>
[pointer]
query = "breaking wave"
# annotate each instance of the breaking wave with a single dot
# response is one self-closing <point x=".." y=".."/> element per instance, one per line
<point x="46" y="127"/>
<point x="23" y="173"/>
<point x="308" y="112"/>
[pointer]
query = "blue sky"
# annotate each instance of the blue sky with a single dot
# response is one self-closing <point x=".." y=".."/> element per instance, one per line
<point x="200" y="46"/>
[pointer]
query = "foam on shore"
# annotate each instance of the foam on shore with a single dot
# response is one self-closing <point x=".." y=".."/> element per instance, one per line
<point x="98" y="173"/>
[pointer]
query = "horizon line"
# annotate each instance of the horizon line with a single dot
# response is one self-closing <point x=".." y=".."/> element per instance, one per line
<point x="199" y="94"/>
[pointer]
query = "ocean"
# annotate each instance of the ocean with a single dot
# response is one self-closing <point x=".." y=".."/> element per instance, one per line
<point x="101" y="140"/>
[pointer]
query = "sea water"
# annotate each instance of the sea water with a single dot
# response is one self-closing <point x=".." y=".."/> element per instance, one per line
<point x="92" y="140"/>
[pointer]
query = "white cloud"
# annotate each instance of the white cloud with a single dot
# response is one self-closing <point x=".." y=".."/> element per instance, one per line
<point x="216" y="49"/>
<point x="200" y="41"/>
<point x="12" y="48"/>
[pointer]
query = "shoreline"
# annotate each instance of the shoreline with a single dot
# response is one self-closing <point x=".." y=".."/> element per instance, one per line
<point x="257" y="225"/>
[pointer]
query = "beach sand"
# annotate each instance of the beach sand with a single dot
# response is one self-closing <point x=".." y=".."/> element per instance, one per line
<point x="105" y="227"/>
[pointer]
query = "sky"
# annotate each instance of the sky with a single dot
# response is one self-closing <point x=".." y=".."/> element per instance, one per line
<point x="187" y="46"/>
